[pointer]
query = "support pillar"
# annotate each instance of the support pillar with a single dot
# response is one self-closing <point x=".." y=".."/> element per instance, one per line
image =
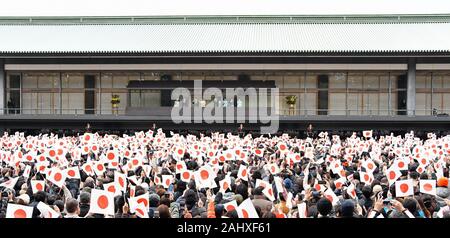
<point x="411" y="88"/>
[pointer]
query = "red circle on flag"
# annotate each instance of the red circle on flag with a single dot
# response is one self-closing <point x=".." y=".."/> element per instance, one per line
<point x="366" y="177"/>
<point x="329" y="197"/>
<point x="179" y="166"/>
<point x="112" y="189"/>
<point x="58" y="177"/>
<point x="401" y="164"/>
<point x="39" y="187"/>
<point x="245" y="213"/>
<point x="86" y="149"/>
<point x="143" y="200"/>
<point x="204" y="174"/>
<point x="138" y="210"/>
<point x="71" y="173"/>
<point x="404" y="187"/>
<point x="180" y="152"/>
<point x="121" y="182"/>
<point x="391" y="175"/>
<point x="370" y="166"/>
<point x="87" y="137"/>
<point x="111" y="156"/>
<point x="282" y="147"/>
<point x="88" y="168"/>
<point x="230" y="207"/>
<point x="20" y="213"/>
<point x="338" y="185"/>
<point x="225" y="186"/>
<point x="427" y="187"/>
<point x="270" y="192"/>
<point x="167" y="182"/>
<point x="52" y="153"/>
<point x="102" y="202"/>
<point x="100" y="167"/>
<point x="244" y="173"/>
<point x="186" y="175"/>
<point x="423" y="161"/>
<point x="135" y="162"/>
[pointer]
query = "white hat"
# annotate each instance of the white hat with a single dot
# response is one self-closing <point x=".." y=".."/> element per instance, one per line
<point x="25" y="198"/>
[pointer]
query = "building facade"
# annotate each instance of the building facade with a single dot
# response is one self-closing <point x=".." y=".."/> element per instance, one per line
<point x="386" y="71"/>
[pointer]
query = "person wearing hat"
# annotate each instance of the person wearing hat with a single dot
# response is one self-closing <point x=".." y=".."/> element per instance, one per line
<point x="442" y="191"/>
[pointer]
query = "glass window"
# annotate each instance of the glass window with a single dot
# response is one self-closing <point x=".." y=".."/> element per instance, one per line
<point x="338" y="80"/>
<point x="72" y="80"/>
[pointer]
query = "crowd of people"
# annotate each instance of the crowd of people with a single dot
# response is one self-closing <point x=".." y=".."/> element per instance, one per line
<point x="223" y="175"/>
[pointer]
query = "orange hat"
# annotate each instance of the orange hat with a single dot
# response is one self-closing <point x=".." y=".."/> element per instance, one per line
<point x="442" y="182"/>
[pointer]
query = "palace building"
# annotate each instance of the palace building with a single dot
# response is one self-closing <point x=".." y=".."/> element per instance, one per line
<point x="332" y="71"/>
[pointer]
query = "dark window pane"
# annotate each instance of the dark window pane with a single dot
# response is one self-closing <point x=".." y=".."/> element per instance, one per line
<point x="14" y="81"/>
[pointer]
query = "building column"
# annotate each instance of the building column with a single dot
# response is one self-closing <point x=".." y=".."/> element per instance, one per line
<point x="411" y="88"/>
<point x="2" y="88"/>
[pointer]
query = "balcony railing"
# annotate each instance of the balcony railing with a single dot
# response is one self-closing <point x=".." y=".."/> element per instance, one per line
<point x="281" y="112"/>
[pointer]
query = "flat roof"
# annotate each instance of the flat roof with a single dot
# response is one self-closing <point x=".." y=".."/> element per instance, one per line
<point x="309" y="34"/>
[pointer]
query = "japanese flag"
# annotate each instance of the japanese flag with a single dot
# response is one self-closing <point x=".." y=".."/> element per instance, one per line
<point x="72" y="173"/>
<point x="140" y="200"/>
<point x="225" y="184"/>
<point x="99" y="168"/>
<point x="339" y="182"/>
<point x="180" y="166"/>
<point x="102" y="202"/>
<point x="141" y="211"/>
<point x="87" y="168"/>
<point x="205" y="175"/>
<point x="18" y="211"/>
<point x="167" y="180"/>
<point x="121" y="181"/>
<point x="243" y="173"/>
<point x="87" y="138"/>
<point x="179" y="152"/>
<point x="112" y="157"/>
<point x="369" y="165"/>
<point x="273" y="168"/>
<point x="282" y="147"/>
<point x="404" y="188"/>
<point x="393" y="174"/>
<point x="351" y="191"/>
<point x="401" y="164"/>
<point x="186" y="176"/>
<point x="259" y="152"/>
<point x="47" y="211"/>
<point x="268" y="190"/>
<point x="247" y="210"/>
<point x="329" y="194"/>
<point x="111" y="187"/>
<point x="26" y="172"/>
<point x="367" y="134"/>
<point x="230" y="206"/>
<point x="10" y="183"/>
<point x="37" y="185"/>
<point x="366" y="177"/>
<point x="428" y="186"/>
<point x="57" y="177"/>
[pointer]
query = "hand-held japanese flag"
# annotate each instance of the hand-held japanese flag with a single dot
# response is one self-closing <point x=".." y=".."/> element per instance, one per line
<point x="225" y="184"/>
<point x="167" y="180"/>
<point x="351" y="191"/>
<point x="10" y="183"/>
<point x="26" y="172"/>
<point x="186" y="176"/>
<point x="329" y="194"/>
<point x="57" y="177"/>
<point x="72" y="173"/>
<point x="428" y="186"/>
<point x="243" y="173"/>
<point x="37" y="185"/>
<point x="404" y="188"/>
<point x="230" y="206"/>
<point x="18" y="211"/>
<point x="121" y="181"/>
<point x="102" y="202"/>
<point x="180" y="166"/>
<point x="47" y="211"/>
<point x="247" y="210"/>
<point x="393" y="174"/>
